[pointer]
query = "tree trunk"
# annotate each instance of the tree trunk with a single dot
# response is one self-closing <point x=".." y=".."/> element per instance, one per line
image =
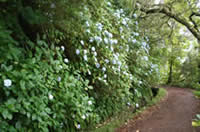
<point x="170" y="72"/>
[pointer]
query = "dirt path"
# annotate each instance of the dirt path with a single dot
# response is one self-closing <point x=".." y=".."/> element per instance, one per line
<point x="173" y="114"/>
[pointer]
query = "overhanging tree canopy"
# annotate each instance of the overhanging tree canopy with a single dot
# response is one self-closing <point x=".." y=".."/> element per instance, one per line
<point x="188" y="17"/>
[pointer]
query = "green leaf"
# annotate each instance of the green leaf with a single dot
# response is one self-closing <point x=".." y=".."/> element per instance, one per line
<point x="22" y="84"/>
<point x="18" y="125"/>
<point x="5" y="114"/>
<point x="34" y="116"/>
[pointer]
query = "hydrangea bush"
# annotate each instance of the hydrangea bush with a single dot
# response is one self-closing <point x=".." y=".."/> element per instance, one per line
<point x="90" y="62"/>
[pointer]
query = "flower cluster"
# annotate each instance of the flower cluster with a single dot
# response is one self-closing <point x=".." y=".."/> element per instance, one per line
<point x="7" y="82"/>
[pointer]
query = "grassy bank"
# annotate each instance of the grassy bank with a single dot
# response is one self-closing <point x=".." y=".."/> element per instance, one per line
<point x="127" y="114"/>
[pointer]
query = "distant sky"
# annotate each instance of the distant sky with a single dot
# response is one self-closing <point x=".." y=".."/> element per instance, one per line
<point x="158" y="1"/>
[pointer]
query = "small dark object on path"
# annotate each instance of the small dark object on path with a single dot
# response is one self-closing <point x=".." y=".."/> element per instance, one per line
<point x="154" y="91"/>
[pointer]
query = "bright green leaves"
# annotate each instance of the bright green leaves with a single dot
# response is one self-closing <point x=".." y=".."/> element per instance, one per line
<point x="8" y="108"/>
<point x="6" y="115"/>
<point x="22" y="85"/>
<point x="196" y="122"/>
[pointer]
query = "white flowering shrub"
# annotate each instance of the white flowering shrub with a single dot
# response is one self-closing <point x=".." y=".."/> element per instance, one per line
<point x="89" y="64"/>
<point x="44" y="92"/>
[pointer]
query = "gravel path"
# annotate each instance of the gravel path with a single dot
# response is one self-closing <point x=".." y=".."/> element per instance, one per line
<point x="173" y="114"/>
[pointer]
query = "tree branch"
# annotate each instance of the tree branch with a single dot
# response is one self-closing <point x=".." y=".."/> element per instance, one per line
<point x="165" y="10"/>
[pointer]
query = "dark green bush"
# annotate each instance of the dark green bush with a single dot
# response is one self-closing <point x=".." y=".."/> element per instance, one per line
<point x="68" y="65"/>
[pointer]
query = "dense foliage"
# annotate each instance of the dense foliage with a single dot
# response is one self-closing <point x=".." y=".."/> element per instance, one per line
<point x="68" y="65"/>
<point x="173" y="30"/>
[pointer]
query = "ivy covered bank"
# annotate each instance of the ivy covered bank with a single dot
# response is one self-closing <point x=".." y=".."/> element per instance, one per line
<point x="67" y="65"/>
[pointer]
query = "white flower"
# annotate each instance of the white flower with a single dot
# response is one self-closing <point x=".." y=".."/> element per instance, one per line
<point x="119" y="63"/>
<point x="121" y="10"/>
<point x="106" y="41"/>
<point x="66" y="60"/>
<point x="105" y="81"/>
<point x="87" y="24"/>
<point x="111" y="48"/>
<point x="85" y="57"/>
<point x="136" y="34"/>
<point x="117" y="15"/>
<point x="61" y="67"/>
<point x="95" y="59"/>
<point x="50" y="96"/>
<point x="121" y="29"/>
<point x="82" y="42"/>
<point x="77" y="51"/>
<point x="108" y="3"/>
<point x="119" y="69"/>
<point x="134" y="41"/>
<point x="114" y="61"/>
<point x="103" y="69"/>
<point x="83" y="117"/>
<point x="140" y="82"/>
<point x="62" y="48"/>
<point x="78" y="126"/>
<point x="59" y="79"/>
<point x="136" y="23"/>
<point x="145" y="58"/>
<point x="107" y="61"/>
<point x="136" y="90"/>
<point x="128" y="104"/>
<point x="99" y="78"/>
<point x="93" y="48"/>
<point x="134" y="15"/>
<point x="105" y="76"/>
<point x="85" y="51"/>
<point x="97" y="65"/>
<point x="144" y="44"/>
<point x="90" y="102"/>
<point x="7" y="82"/>
<point x="111" y="41"/>
<point x="115" y="41"/>
<point x="87" y="30"/>
<point x="122" y="37"/>
<point x="124" y="22"/>
<point x="137" y="105"/>
<point x="99" y="26"/>
<point x="91" y="40"/>
<point x="89" y="72"/>
<point x="98" y="39"/>
<point x="95" y="53"/>
<point x="108" y="34"/>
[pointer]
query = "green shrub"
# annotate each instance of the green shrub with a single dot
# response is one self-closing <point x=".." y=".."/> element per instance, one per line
<point x="75" y="64"/>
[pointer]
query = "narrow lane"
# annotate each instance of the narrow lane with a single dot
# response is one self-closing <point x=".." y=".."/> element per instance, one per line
<point x="174" y="114"/>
